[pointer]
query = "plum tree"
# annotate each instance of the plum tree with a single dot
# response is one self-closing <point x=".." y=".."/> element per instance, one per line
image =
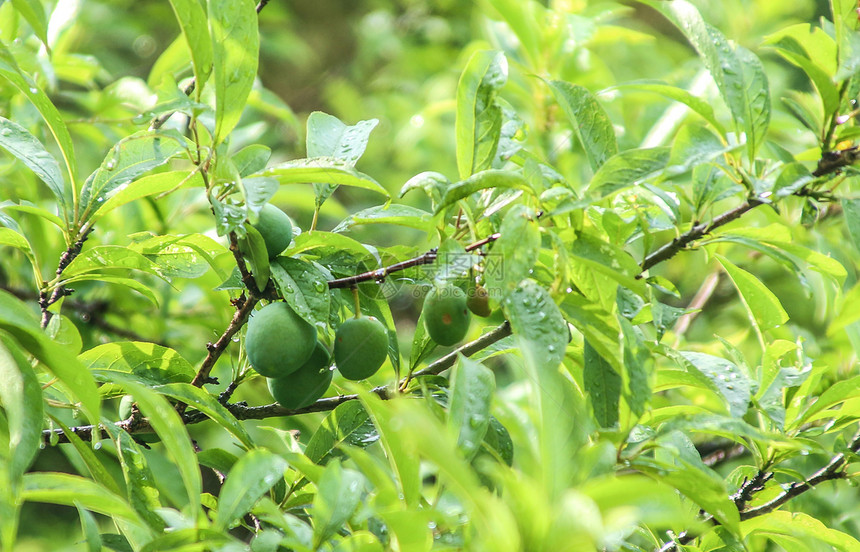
<point x="307" y="384"/>
<point x="278" y="340"/>
<point x="446" y="315"/>
<point x="360" y="347"/>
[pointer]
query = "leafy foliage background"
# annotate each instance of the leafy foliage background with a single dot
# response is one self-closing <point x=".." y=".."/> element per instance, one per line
<point x="670" y="196"/>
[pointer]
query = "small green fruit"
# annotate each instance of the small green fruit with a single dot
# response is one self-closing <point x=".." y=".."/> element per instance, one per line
<point x="125" y="407"/>
<point x="479" y="301"/>
<point x="276" y="228"/>
<point x="360" y="347"/>
<point x="446" y="315"/>
<point x="278" y="340"/>
<point x="307" y="384"/>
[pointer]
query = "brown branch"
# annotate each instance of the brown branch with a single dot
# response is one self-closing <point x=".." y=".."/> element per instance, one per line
<point x="244" y="306"/>
<point x="381" y="273"/>
<point x="697" y="232"/>
<point x="59" y="292"/>
<point x="696" y="304"/>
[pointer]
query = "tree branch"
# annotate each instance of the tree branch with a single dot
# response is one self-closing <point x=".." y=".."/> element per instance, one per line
<point x="381" y="273"/>
<point x="59" y="292"/>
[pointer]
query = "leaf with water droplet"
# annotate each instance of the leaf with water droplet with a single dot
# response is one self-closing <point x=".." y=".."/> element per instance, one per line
<point x="472" y="387"/>
<point x="298" y="281"/>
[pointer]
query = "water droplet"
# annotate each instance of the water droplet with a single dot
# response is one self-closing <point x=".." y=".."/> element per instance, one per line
<point x="320" y="286"/>
<point x="551" y="348"/>
<point x="33" y="90"/>
<point x="98" y="445"/>
<point x="6" y="131"/>
<point x="111" y="165"/>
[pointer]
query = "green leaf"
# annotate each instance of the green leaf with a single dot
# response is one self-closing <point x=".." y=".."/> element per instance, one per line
<point x="235" y="51"/>
<point x="694" y="146"/>
<point x="128" y="159"/>
<point x="390" y="213"/>
<point x="698" y="105"/>
<point x="524" y="20"/>
<point x="96" y="468"/>
<point x="326" y="170"/>
<point x="257" y="256"/>
<point x="209" y="405"/>
<point x="188" y="256"/>
<point x="34" y="13"/>
<point x="251" y="158"/>
<point x="18" y="320"/>
<point x="637" y="361"/>
<point x="192" y="17"/>
<point x="808" y="530"/>
<point x="628" y="168"/>
<point x="10" y="71"/>
<point x="90" y="528"/>
<point x="304" y="287"/>
<point x="726" y="377"/>
<point x="339" y="492"/>
<point x="258" y="190"/>
<point x="249" y="479"/>
<point x="483" y="180"/>
<point x="21" y="397"/>
<point x="603" y="385"/>
<point x="514" y="253"/>
<point x="19" y="142"/>
<point x="349" y="424"/>
<point x="738" y="72"/>
<point x="68" y="490"/>
<point x="538" y="323"/>
<point x="148" y="362"/>
<point x="327" y="136"/>
<point x="762" y="305"/>
<point x="404" y="464"/>
<point x="851" y="208"/>
<point x="103" y="257"/>
<point x="600" y="328"/>
<point x="598" y="267"/>
<point x="706" y="489"/>
<point x="107" y="279"/>
<point x="814" y="51"/>
<point x="479" y="117"/>
<point x="146" y="186"/>
<point x="14" y="239"/>
<point x="139" y="481"/>
<point x="590" y="122"/>
<point x="499" y="441"/>
<point x="472" y="387"/>
<point x="169" y="427"/>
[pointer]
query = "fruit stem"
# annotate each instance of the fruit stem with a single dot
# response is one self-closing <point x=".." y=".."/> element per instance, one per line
<point x="314" y="221"/>
<point x="357" y="301"/>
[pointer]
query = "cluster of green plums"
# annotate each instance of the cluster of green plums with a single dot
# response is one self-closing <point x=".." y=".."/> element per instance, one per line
<point x="283" y="347"/>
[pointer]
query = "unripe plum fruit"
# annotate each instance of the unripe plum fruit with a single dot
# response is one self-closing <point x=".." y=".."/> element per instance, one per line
<point x="275" y="227"/>
<point x="307" y="384"/>
<point x="446" y="316"/>
<point x="479" y="302"/>
<point x="360" y="347"/>
<point x="278" y="340"/>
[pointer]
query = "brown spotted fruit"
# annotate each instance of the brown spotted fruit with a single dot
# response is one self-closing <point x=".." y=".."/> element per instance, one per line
<point x="446" y="315"/>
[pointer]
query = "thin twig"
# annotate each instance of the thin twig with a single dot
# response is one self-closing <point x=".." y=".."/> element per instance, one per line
<point x="381" y="273"/>
<point x="59" y="292"/>
<point x="696" y="304"/>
